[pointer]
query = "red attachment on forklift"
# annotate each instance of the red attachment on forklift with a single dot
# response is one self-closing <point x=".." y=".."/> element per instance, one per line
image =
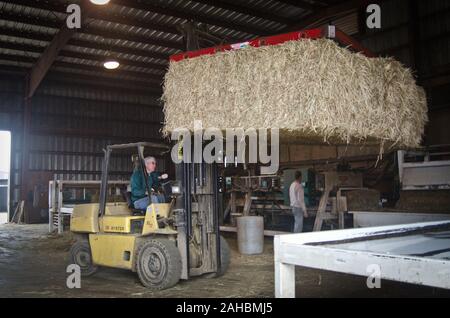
<point x="329" y="31"/>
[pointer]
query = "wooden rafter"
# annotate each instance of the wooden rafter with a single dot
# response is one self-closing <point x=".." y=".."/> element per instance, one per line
<point x="80" y="55"/>
<point x="143" y="76"/>
<point x="104" y="46"/>
<point x="107" y="34"/>
<point x="48" y="57"/>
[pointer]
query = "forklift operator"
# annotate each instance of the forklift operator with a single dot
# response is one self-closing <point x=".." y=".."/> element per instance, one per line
<point x="139" y="196"/>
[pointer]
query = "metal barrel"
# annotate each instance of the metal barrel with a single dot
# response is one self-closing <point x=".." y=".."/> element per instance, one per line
<point x="250" y="234"/>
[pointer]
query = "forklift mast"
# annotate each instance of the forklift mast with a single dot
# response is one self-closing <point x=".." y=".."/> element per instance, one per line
<point x="199" y="182"/>
<point x="199" y="194"/>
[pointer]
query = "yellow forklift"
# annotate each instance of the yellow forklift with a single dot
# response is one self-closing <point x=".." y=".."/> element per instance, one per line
<point x="164" y="243"/>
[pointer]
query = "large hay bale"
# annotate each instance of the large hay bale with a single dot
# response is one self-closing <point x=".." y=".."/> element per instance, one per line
<point x="424" y="201"/>
<point x="309" y="89"/>
<point x="363" y="200"/>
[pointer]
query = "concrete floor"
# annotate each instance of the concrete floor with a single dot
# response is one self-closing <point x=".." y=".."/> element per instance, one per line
<point x="33" y="264"/>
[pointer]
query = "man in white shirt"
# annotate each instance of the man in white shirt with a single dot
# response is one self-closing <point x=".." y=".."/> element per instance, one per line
<point x="297" y="198"/>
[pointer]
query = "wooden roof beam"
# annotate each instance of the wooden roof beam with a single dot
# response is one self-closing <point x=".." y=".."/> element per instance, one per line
<point x="142" y="76"/>
<point x="80" y="55"/>
<point x="33" y="35"/>
<point x="48" y="57"/>
<point x="113" y="35"/>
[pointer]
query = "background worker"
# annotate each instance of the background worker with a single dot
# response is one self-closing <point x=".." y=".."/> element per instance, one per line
<point x="139" y="197"/>
<point x="297" y="198"/>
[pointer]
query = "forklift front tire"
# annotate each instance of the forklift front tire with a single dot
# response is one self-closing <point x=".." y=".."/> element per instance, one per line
<point x="158" y="264"/>
<point x="80" y="254"/>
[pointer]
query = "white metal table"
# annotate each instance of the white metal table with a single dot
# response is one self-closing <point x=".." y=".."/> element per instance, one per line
<point x="416" y="253"/>
<point x="58" y="209"/>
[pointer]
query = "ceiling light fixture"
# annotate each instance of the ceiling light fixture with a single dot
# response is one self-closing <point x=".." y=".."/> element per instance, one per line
<point x="111" y="64"/>
<point x="100" y="2"/>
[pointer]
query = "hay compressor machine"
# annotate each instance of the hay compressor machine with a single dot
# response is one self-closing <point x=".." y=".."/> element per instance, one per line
<point x="164" y="243"/>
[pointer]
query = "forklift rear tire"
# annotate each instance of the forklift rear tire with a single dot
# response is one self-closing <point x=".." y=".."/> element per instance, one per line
<point x="80" y="254"/>
<point x="224" y="259"/>
<point x="158" y="264"/>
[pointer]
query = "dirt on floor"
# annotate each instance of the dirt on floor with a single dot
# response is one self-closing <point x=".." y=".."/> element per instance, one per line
<point x="33" y="264"/>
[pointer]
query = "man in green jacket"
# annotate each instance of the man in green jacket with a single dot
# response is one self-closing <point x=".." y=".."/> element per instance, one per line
<point x="139" y="195"/>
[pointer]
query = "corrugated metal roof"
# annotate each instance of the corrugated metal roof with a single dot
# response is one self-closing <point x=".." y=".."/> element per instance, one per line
<point x="141" y="34"/>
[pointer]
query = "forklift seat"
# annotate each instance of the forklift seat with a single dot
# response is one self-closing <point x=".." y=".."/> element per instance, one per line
<point x="127" y="196"/>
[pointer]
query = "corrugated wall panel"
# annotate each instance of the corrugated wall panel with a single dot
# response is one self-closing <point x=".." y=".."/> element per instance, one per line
<point x="435" y="65"/>
<point x="432" y="6"/>
<point x="101" y="116"/>
<point x="95" y="94"/>
<point x="394" y="12"/>
<point x="348" y="23"/>
<point x="58" y="153"/>
<point x="394" y="37"/>
<point x="382" y="42"/>
<point x="96" y="109"/>
<point x="435" y="29"/>
<point x="394" y="31"/>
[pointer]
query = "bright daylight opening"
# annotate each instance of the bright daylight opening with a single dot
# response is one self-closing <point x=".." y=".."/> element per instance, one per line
<point x="5" y="155"/>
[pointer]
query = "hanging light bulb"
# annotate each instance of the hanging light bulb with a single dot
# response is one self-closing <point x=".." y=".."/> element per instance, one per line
<point x="100" y="2"/>
<point x="111" y="64"/>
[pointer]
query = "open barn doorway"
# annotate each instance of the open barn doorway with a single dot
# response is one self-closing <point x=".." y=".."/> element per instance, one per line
<point x="5" y="163"/>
